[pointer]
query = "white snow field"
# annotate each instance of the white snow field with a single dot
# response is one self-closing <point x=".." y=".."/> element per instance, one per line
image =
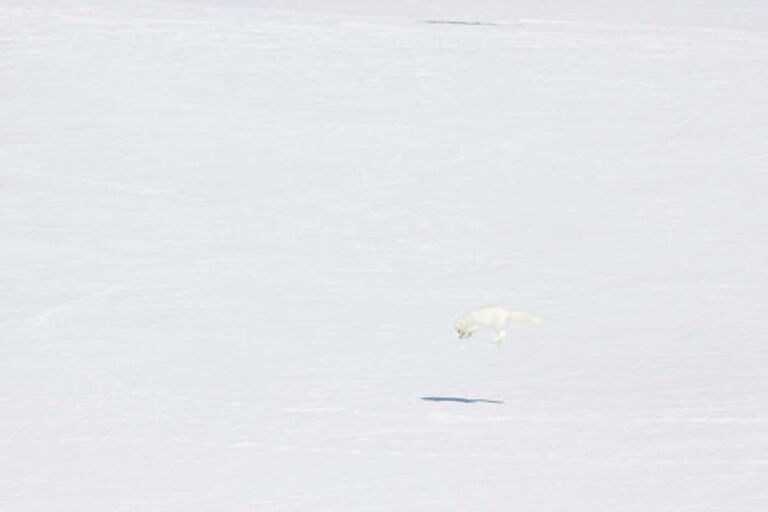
<point x="235" y="237"/>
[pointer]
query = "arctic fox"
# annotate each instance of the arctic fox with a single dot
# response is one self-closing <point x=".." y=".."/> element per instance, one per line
<point x="492" y="317"/>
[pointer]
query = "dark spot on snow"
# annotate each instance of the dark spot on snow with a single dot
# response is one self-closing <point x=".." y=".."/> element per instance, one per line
<point x="460" y="400"/>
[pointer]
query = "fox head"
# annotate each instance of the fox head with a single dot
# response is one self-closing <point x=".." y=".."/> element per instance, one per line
<point x="463" y="331"/>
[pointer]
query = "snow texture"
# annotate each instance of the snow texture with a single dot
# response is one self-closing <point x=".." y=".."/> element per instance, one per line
<point x="235" y="237"/>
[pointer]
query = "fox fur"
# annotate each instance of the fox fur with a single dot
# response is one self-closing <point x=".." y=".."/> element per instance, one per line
<point x="492" y="317"/>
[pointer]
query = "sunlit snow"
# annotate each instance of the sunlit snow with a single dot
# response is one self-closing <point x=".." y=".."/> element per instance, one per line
<point x="235" y="236"/>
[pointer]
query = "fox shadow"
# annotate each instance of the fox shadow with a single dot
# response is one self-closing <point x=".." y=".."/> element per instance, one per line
<point x="460" y="400"/>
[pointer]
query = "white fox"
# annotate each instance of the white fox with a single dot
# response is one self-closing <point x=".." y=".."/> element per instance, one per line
<point x="492" y="317"/>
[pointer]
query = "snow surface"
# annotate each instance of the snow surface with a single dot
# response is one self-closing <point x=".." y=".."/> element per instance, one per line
<point x="235" y="237"/>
